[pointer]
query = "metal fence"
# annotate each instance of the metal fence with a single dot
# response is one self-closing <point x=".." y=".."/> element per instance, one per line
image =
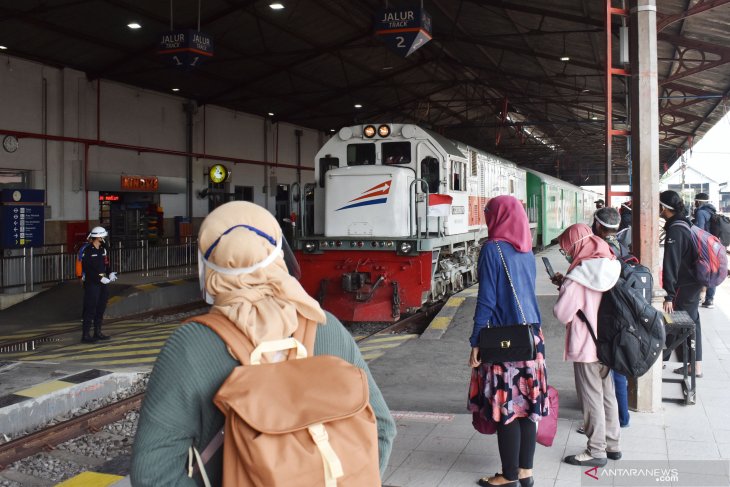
<point x="24" y="269"/>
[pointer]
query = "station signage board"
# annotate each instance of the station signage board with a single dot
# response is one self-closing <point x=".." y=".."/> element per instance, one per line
<point x="185" y="49"/>
<point x="404" y="30"/>
<point x="148" y="184"/>
<point x="22" y="218"/>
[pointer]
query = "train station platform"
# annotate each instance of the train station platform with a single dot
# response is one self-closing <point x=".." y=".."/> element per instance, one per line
<point x="425" y="383"/>
<point x="131" y="294"/>
<point x="424" y="380"/>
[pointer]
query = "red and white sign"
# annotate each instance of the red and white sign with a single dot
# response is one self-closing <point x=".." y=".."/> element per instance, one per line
<point x="439" y="204"/>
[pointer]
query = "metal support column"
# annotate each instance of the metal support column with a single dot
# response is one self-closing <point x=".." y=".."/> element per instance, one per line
<point x="610" y="72"/>
<point x="645" y="393"/>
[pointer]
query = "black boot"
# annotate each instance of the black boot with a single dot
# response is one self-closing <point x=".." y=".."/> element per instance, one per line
<point x="98" y="335"/>
<point x="87" y="338"/>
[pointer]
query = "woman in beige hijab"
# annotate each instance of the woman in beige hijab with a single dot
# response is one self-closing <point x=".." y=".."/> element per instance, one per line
<point x="244" y="276"/>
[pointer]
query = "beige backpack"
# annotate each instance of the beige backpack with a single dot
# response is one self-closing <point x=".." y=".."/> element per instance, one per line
<point x="304" y="421"/>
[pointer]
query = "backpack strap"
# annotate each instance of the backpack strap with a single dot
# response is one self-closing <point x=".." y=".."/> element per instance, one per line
<point x="241" y="347"/>
<point x="238" y="344"/>
<point x="583" y="318"/>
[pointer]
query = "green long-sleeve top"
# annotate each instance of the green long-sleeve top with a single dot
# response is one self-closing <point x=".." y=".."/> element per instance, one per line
<point x="178" y="409"/>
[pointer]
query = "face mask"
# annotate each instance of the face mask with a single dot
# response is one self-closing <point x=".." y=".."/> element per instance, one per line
<point x="233" y="271"/>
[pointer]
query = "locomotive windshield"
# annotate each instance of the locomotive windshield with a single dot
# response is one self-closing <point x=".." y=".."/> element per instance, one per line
<point x="360" y="154"/>
<point x="396" y="152"/>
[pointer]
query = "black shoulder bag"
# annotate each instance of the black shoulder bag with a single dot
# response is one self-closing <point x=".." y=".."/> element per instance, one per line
<point x="510" y="343"/>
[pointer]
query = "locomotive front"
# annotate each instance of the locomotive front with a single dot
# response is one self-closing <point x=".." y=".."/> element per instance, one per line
<point x="375" y="251"/>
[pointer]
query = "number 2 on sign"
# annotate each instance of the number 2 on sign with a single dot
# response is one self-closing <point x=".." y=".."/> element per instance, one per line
<point x="401" y="41"/>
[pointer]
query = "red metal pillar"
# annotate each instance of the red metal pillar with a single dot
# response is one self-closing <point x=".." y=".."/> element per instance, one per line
<point x="610" y="72"/>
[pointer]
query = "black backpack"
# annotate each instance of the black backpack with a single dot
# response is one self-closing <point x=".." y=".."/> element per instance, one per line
<point x="630" y="330"/>
<point x="720" y="227"/>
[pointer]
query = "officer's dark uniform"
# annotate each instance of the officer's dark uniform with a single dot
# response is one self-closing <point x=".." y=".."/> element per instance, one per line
<point x="95" y="265"/>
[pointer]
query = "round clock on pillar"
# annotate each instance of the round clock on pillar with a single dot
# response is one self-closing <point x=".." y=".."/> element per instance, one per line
<point x="218" y="173"/>
<point x="10" y="143"/>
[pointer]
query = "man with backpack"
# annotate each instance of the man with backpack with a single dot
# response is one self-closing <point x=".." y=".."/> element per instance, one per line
<point x="679" y="278"/>
<point x="704" y="211"/>
<point x="265" y="390"/>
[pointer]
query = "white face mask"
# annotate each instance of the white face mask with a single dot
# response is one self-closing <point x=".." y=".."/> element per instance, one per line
<point x="203" y="262"/>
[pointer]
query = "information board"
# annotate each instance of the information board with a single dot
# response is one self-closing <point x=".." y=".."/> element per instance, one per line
<point x="22" y="226"/>
<point x="404" y="30"/>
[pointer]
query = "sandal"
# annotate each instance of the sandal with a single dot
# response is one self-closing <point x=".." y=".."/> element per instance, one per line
<point x="680" y="371"/>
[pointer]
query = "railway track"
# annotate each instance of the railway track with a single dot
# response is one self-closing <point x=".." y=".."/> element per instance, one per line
<point x="48" y="438"/>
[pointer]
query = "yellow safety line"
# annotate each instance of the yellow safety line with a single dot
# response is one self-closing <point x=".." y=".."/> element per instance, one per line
<point x="372" y="356"/>
<point x="391" y="338"/>
<point x="90" y="479"/>
<point x="441" y="322"/>
<point x="454" y="302"/>
<point x="146" y="287"/>
<point x="82" y="357"/>
<point x="106" y="363"/>
<point x="76" y="353"/>
<point x="43" y="389"/>
<point x="379" y="347"/>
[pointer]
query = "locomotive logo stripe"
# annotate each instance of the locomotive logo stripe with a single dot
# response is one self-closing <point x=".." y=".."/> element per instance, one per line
<point x="365" y="203"/>
<point x="382" y="189"/>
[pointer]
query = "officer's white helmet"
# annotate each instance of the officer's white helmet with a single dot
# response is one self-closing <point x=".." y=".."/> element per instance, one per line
<point x="98" y="232"/>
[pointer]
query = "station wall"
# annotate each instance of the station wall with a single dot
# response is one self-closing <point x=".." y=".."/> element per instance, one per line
<point x="42" y="99"/>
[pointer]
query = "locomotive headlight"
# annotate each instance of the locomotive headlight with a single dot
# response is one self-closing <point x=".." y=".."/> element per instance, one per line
<point x="310" y="246"/>
<point x="369" y="131"/>
<point x="383" y="131"/>
<point x="405" y="247"/>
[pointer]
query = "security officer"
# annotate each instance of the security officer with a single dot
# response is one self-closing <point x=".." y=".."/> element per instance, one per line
<point x="95" y="265"/>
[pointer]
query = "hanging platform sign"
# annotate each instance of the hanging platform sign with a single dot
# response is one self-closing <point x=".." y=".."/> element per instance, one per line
<point x="404" y="29"/>
<point x="186" y="49"/>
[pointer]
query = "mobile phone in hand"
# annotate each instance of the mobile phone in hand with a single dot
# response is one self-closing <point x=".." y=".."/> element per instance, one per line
<point x="548" y="267"/>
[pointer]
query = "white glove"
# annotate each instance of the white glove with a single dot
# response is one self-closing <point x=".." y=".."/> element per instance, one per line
<point x="113" y="276"/>
<point x="105" y="280"/>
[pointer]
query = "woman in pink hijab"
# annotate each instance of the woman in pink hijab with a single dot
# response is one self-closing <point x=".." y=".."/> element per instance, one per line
<point x="515" y="391"/>
<point x="593" y="270"/>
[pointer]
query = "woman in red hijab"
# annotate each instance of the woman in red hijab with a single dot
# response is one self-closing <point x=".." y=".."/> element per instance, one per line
<point x="515" y="391"/>
<point x="593" y="270"/>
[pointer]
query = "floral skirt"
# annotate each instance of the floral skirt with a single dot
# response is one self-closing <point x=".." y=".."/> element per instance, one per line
<point x="517" y="389"/>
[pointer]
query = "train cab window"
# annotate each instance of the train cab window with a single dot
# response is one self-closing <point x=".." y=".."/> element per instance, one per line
<point x="396" y="152"/>
<point x="458" y="176"/>
<point x="430" y="172"/>
<point x="360" y="154"/>
<point x="325" y="164"/>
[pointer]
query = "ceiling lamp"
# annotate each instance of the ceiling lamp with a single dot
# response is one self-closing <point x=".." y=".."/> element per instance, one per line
<point x="2" y="48"/>
<point x="276" y="6"/>
<point x="271" y="114"/>
<point x="134" y="25"/>
<point x="176" y="89"/>
<point x="357" y="105"/>
<point x="565" y="58"/>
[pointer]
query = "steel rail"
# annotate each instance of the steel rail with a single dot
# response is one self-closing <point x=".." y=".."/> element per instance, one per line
<point x="48" y="438"/>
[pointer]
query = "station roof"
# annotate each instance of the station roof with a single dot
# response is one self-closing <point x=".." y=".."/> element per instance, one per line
<point x="312" y="61"/>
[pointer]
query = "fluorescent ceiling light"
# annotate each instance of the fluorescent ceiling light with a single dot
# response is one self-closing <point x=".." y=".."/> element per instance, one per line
<point x="276" y="6"/>
<point x="358" y="106"/>
<point x="585" y="90"/>
<point x="134" y="25"/>
<point x="271" y="114"/>
<point x="3" y="47"/>
<point x="332" y="130"/>
<point x="565" y="58"/>
<point x="176" y="89"/>
<point x="594" y="117"/>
